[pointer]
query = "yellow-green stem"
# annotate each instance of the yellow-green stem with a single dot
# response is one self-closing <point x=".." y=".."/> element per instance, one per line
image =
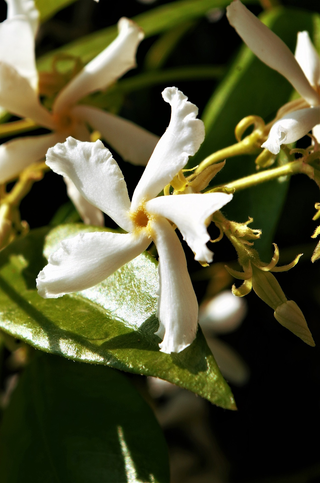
<point x="288" y="169"/>
<point x="18" y="192"/>
<point x="24" y="184"/>
<point x="248" y="145"/>
<point x="16" y="127"/>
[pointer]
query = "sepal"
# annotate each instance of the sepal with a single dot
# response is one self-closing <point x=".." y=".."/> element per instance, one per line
<point x="243" y="290"/>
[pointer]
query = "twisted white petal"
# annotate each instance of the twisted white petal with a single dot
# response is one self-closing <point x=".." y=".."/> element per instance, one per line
<point x="18" y="97"/>
<point x="17" y="48"/>
<point x="87" y="259"/>
<point x="106" y="68"/>
<point x="178" y="306"/>
<point x="18" y="154"/>
<point x="132" y="142"/>
<point x="308" y="58"/>
<point x="26" y="8"/>
<point x="90" y="214"/>
<point x="190" y="213"/>
<point x="316" y="132"/>
<point x="97" y="176"/>
<point x="182" y="139"/>
<point x="270" y="49"/>
<point x="292" y="127"/>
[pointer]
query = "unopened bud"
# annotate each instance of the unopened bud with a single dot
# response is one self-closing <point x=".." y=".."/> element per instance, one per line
<point x="267" y="288"/>
<point x="290" y="316"/>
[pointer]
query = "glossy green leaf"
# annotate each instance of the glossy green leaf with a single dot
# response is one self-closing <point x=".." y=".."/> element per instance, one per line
<point x="70" y="422"/>
<point x="48" y="8"/>
<point x="112" y="323"/>
<point x="154" y="22"/>
<point x="251" y="87"/>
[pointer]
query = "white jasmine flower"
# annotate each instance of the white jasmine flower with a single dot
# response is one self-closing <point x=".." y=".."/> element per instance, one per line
<point x="291" y="127"/>
<point x="301" y="70"/>
<point x="223" y="314"/>
<point x="19" y="96"/>
<point x="89" y="258"/>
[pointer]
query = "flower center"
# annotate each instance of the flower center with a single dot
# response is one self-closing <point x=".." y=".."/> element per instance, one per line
<point x="140" y="218"/>
<point x="63" y="120"/>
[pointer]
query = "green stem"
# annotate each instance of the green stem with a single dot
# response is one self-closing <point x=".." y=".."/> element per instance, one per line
<point x="288" y="169"/>
<point x="248" y="145"/>
<point x="16" y="127"/>
<point x="25" y="183"/>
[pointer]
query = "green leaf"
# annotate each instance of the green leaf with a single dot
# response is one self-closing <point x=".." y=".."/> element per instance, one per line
<point x="79" y="423"/>
<point x="48" y="8"/>
<point x="153" y="22"/>
<point x="251" y="87"/>
<point x="112" y="323"/>
<point x="161" y="49"/>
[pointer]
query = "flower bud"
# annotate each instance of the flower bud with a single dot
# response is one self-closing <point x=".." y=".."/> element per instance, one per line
<point x="290" y="316"/>
<point x="267" y="288"/>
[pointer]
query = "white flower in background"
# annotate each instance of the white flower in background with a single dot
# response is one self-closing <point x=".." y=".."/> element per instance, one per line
<point x="89" y="258"/>
<point x="223" y="314"/>
<point x="19" y="96"/>
<point x="301" y="70"/>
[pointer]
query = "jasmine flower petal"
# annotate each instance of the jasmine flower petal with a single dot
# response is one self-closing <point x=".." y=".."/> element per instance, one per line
<point x="270" y="49"/>
<point x="26" y="8"/>
<point x="17" y="35"/>
<point x="190" y="213"/>
<point x="86" y="260"/>
<point x="17" y="48"/>
<point x="90" y="214"/>
<point x="106" y="68"/>
<point x="178" y="306"/>
<point x="132" y="142"/>
<point x="291" y="127"/>
<point x="308" y="58"/>
<point x="97" y="176"/>
<point x="182" y="139"/>
<point x="316" y="132"/>
<point x="18" y="154"/>
<point x="19" y="98"/>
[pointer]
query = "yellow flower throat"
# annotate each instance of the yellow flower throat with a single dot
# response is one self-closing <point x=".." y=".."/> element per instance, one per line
<point x="140" y="218"/>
